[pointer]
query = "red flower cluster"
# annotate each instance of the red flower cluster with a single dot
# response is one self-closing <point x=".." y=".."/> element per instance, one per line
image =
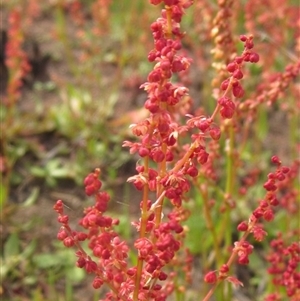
<point x="233" y="83"/>
<point x="285" y="263"/>
<point x="16" y="59"/>
<point x="109" y="251"/>
<point x="109" y="262"/>
<point x="242" y="248"/>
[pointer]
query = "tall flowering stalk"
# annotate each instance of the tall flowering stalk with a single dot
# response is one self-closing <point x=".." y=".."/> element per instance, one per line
<point x="242" y="249"/>
<point x="158" y="241"/>
<point x="16" y="59"/>
<point x="171" y="157"/>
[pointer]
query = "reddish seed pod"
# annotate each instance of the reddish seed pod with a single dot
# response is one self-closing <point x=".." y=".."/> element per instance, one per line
<point x="165" y="65"/>
<point x="105" y="254"/>
<point x="152" y="56"/>
<point x="81" y="236"/>
<point x="89" y="179"/>
<point x="62" y="234"/>
<point x="268" y="215"/>
<point x="176" y="45"/>
<point x="280" y="176"/>
<point x="210" y="277"/>
<point x="275" y="160"/>
<point x="274" y="202"/>
<point x="285" y="169"/>
<point x="143" y="152"/>
<point x="90" y="266"/>
<point x="131" y="272"/>
<point x="239" y="59"/>
<point x="202" y="157"/>
<point x="177" y="66"/>
<point x="192" y="171"/>
<point x="238" y="91"/>
<point x="97" y="251"/>
<point x="242" y="227"/>
<point x="169" y="2"/>
<point x="225" y="84"/>
<point x="231" y="67"/>
<point x="89" y="190"/>
<point x="247" y="57"/>
<point x="80" y="262"/>
<point x="97" y="283"/>
<point x="244" y="260"/>
<point x="238" y="74"/>
<point x="243" y="38"/>
<point x="270" y="185"/>
<point x="154" y="76"/>
<point x="63" y="219"/>
<point x="158" y="156"/>
<point x="215" y="133"/>
<point x="162" y="276"/>
<point x="203" y="125"/>
<point x="224" y="268"/>
<point x="228" y="108"/>
<point x="254" y="57"/>
<point x="69" y="242"/>
<point x="58" y="207"/>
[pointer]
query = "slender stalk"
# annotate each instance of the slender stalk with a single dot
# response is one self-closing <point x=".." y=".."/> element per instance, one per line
<point x="143" y="225"/>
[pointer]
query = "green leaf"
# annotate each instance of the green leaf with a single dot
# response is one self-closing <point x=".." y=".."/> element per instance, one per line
<point x="194" y="238"/>
<point x="32" y="197"/>
<point x="75" y="274"/>
<point x="12" y="246"/>
<point x="46" y="260"/>
<point x="3" y="194"/>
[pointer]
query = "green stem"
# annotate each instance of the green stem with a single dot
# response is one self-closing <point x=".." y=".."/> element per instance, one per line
<point x="210" y="224"/>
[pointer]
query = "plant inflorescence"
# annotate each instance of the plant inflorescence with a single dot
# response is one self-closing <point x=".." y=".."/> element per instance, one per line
<point x="182" y="154"/>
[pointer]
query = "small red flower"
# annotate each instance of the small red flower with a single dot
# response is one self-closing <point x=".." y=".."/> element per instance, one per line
<point x="211" y="277"/>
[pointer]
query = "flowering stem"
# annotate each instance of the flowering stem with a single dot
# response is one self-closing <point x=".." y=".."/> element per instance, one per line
<point x="144" y="217"/>
<point x="209" y="223"/>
